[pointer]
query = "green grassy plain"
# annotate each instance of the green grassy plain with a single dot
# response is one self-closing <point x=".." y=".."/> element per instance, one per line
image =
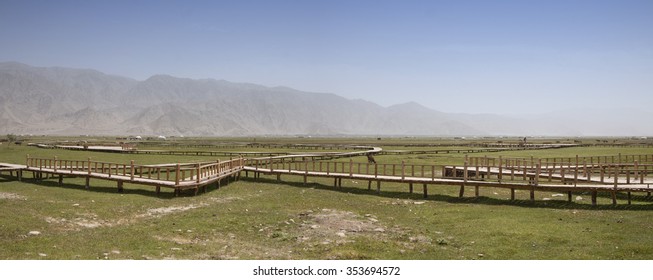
<point x="266" y="219"/>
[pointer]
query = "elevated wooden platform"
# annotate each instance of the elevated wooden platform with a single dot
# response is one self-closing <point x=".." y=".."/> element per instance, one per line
<point x="612" y="178"/>
<point x="536" y="179"/>
<point x="178" y="176"/>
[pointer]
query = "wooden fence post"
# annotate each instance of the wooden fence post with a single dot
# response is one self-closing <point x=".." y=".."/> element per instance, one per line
<point x="197" y="179"/>
<point x="465" y="172"/>
<point x="131" y="172"/>
<point x="500" y="169"/>
<point x="177" y="176"/>
<point x="537" y="174"/>
<point x="305" y="172"/>
<point x="351" y="164"/>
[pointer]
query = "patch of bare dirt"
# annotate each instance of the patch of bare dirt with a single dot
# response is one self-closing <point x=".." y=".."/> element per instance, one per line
<point x="91" y="221"/>
<point x="326" y="226"/>
<point x="228" y="247"/>
<point x="5" y="195"/>
<point x="155" y="212"/>
<point x="78" y="223"/>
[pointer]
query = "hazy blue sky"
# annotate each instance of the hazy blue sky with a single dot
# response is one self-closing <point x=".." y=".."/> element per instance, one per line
<point x="452" y="56"/>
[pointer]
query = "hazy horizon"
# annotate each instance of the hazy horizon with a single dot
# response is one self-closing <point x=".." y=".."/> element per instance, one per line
<point x="500" y="57"/>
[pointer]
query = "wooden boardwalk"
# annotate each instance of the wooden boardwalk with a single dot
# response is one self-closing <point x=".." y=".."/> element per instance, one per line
<point x="315" y="155"/>
<point x="624" y="176"/>
<point x="179" y="177"/>
<point x="531" y="180"/>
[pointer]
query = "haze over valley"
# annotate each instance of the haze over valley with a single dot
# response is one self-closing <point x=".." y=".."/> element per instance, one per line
<point x="65" y="101"/>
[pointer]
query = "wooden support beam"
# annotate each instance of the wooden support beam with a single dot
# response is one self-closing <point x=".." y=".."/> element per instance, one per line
<point x="158" y="190"/>
<point x="594" y="198"/>
<point x="512" y="194"/>
<point x="629" y="199"/>
<point x="120" y="188"/>
<point x="88" y="183"/>
<point x="410" y="187"/>
<point x="378" y="186"/>
<point x="476" y="191"/>
<point x="369" y="185"/>
<point x="614" y="198"/>
<point x="426" y="190"/>
<point x="60" y="180"/>
<point x="462" y="191"/>
<point x="569" y="196"/>
<point x="532" y="193"/>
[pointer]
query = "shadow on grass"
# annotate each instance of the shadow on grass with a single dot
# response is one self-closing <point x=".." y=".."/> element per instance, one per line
<point x="417" y="195"/>
<point x="484" y="200"/>
<point x="166" y="193"/>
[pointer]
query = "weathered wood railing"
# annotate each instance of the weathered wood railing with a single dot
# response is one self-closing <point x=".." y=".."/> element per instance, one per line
<point x="629" y="168"/>
<point x="180" y="174"/>
<point x="518" y="170"/>
<point x="350" y="167"/>
<point x="558" y="161"/>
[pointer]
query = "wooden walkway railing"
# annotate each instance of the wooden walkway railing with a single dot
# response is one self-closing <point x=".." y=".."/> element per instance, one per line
<point x="612" y="178"/>
<point x="579" y="174"/>
<point x="558" y="161"/>
<point x="176" y="176"/>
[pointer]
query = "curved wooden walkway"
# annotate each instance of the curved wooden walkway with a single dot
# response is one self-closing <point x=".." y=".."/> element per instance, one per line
<point x="622" y="176"/>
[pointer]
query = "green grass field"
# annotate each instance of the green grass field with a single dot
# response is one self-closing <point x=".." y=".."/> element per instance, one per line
<point x="266" y="219"/>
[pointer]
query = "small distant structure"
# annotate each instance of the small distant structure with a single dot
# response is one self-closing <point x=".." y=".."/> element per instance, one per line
<point x="135" y="138"/>
<point x="128" y="146"/>
<point x="161" y="137"/>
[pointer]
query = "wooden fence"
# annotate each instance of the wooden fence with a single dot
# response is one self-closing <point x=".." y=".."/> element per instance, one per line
<point x="178" y="176"/>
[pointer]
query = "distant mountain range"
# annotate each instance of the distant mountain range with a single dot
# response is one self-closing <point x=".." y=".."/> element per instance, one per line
<point x="63" y="101"/>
